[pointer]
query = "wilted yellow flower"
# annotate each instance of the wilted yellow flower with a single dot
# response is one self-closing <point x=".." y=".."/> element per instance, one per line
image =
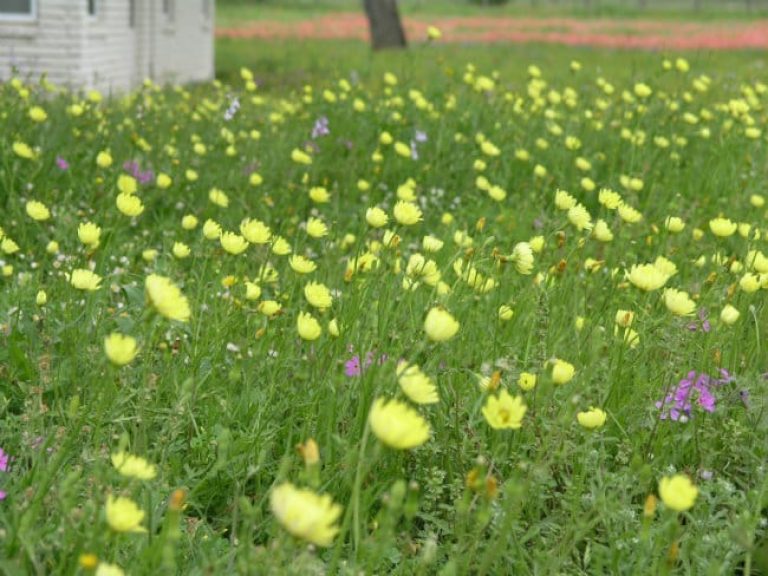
<point x="120" y="349"/>
<point x="123" y="515"/>
<point x="83" y="279"/>
<point x="679" y="302"/>
<point x="591" y="419"/>
<point x="562" y="371"/>
<point x="504" y="411"/>
<point x="440" y="326"/>
<point x="167" y="298"/>
<point x="678" y="492"/>
<point x="133" y="466"/>
<point x="305" y="514"/>
<point x="129" y="204"/>
<point x="89" y="234"/>
<point x="318" y="295"/>
<point x="407" y="213"/>
<point x="722" y="227"/>
<point x="37" y="211"/>
<point x="419" y="387"/>
<point x="647" y="277"/>
<point x="233" y="243"/>
<point x="308" y="326"/>
<point x="397" y="425"/>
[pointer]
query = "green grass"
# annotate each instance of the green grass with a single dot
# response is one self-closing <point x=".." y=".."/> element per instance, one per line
<point x="220" y="403"/>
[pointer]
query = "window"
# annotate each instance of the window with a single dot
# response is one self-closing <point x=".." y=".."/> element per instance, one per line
<point x="18" y="9"/>
<point x="169" y="10"/>
<point x="91" y="7"/>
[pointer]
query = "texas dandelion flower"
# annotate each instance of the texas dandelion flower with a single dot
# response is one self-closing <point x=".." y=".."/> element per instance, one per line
<point x="729" y="315"/>
<point x="440" y="325"/>
<point x="120" y="349"/>
<point x="133" y="466"/>
<point x="678" y="492"/>
<point x="129" y="204"/>
<point x="562" y="371"/>
<point x="89" y="234"/>
<point x="674" y="224"/>
<point x="255" y="231"/>
<point x="522" y="256"/>
<point x="722" y="227"/>
<point x="305" y="514"/>
<point x="678" y="302"/>
<point x="504" y="412"/>
<point x="233" y="243"/>
<point x="319" y="195"/>
<point x="647" y="277"/>
<point x="526" y="381"/>
<point x="376" y="217"/>
<point x="181" y="250"/>
<point x="407" y="213"/>
<point x="591" y="419"/>
<point x="123" y="515"/>
<point x="301" y="264"/>
<point x="308" y="326"/>
<point x="83" y="279"/>
<point x="579" y="217"/>
<point x="316" y="228"/>
<point x="318" y="295"/>
<point x="166" y="298"/>
<point x="397" y="425"/>
<point x="37" y="211"/>
<point x="419" y="387"/>
<point x="212" y="230"/>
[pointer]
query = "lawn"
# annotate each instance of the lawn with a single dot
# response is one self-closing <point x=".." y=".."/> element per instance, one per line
<point x="456" y="310"/>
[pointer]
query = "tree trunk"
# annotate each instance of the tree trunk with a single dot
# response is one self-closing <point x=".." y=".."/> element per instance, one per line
<point x="384" y="23"/>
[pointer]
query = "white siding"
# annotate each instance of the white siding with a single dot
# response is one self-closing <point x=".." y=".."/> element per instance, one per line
<point x="79" y="51"/>
<point x="52" y="43"/>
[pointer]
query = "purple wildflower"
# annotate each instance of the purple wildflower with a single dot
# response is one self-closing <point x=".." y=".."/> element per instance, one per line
<point x="320" y="128"/>
<point x="695" y="389"/>
<point x="354" y="368"/>
<point x="3" y="461"/>
<point x="143" y="177"/>
<point x="705" y="325"/>
<point x="61" y="163"/>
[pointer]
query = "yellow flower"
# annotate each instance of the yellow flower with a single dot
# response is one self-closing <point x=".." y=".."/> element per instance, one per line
<point x="305" y="514"/>
<point x="609" y="198"/>
<point x="407" y="213"/>
<point x="674" y="224"/>
<point x="149" y="254"/>
<point x="591" y="419"/>
<point x="564" y="201"/>
<point x="580" y="218"/>
<point x="506" y="312"/>
<point x="678" y="492"/>
<point x="397" y="425"/>
<point x="402" y="149"/>
<point x="106" y="569"/>
<point x="301" y="264"/>
<point x="319" y="195"/>
<point x="23" y="150"/>
<point x="269" y="307"/>
<point x="376" y="217"/>
<point x="750" y="283"/>
<point x="300" y="157"/>
<point x="308" y="326"/>
<point x="41" y="299"/>
<point x="526" y="381"/>
<point x="318" y="295"/>
<point x="218" y="197"/>
<point x="89" y="234"/>
<point x="433" y="33"/>
<point x="562" y="371"/>
<point x="624" y="318"/>
<point x="629" y="214"/>
<point x="316" y="228"/>
<point x="504" y="411"/>
<point x="163" y="181"/>
<point x="129" y="204"/>
<point x="104" y="160"/>
<point x="280" y="246"/>
<point x="729" y="314"/>
<point x="125" y="184"/>
<point x="167" y="298"/>
<point x="120" y="349"/>
<point x="440" y="326"/>
<point x="37" y="114"/>
<point x="123" y="515"/>
<point x="52" y="247"/>
<point x="181" y="250"/>
<point x="255" y="231"/>
<point x="678" y="302"/>
<point x="647" y="277"/>
<point x="602" y="232"/>
<point x="37" y="211"/>
<point x="189" y="222"/>
<point x="83" y="279"/>
<point x="233" y="243"/>
<point x="8" y="246"/>
<point x="722" y="227"/>
<point x="419" y="387"/>
<point x="431" y="243"/>
<point x="252" y="291"/>
<point x="133" y="466"/>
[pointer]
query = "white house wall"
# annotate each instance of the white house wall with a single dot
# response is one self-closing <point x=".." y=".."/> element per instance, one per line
<point x="109" y="53"/>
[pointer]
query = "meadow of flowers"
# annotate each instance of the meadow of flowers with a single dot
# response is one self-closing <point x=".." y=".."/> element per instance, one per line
<point x="445" y="324"/>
